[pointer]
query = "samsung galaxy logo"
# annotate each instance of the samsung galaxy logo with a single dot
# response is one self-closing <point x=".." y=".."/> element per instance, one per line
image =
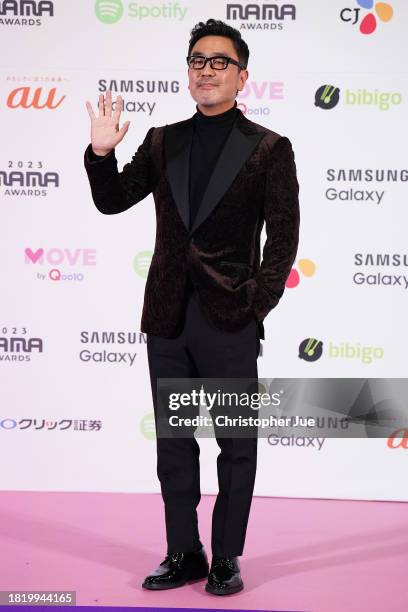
<point x="140" y="86"/>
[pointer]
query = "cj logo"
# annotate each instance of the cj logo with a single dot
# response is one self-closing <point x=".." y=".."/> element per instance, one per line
<point x="307" y="268"/>
<point x="382" y="10"/>
<point x="310" y="349"/>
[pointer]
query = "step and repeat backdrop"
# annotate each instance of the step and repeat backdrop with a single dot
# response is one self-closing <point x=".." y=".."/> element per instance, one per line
<point x="76" y="410"/>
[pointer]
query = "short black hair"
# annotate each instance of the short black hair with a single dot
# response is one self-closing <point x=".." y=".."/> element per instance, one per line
<point x="215" y="27"/>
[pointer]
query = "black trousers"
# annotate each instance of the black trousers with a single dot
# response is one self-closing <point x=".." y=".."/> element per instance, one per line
<point x="202" y="350"/>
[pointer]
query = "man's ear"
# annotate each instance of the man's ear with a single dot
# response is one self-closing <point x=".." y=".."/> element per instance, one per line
<point x="245" y="75"/>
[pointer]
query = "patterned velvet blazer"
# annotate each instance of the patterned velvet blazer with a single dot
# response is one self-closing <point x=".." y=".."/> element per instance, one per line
<point x="254" y="182"/>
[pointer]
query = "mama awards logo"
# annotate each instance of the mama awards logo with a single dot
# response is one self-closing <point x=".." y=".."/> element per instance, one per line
<point x="28" y="178"/>
<point x="25" y="12"/>
<point x="367" y="23"/>
<point x="260" y="16"/>
<point x="18" y="345"/>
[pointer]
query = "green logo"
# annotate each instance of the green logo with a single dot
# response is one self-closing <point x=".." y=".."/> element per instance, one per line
<point x="141" y="263"/>
<point x="147" y="426"/>
<point x="109" y="11"/>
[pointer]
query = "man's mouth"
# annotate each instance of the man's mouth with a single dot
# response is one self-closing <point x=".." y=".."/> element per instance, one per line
<point x="207" y="85"/>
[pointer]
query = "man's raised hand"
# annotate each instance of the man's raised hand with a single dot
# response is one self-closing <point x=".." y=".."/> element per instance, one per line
<point x="105" y="132"/>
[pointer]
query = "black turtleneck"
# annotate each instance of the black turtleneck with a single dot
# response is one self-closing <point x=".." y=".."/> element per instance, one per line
<point x="209" y="136"/>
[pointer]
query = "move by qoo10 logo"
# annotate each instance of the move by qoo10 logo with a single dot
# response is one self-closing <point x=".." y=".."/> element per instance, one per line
<point x="58" y="264"/>
<point x="256" y="97"/>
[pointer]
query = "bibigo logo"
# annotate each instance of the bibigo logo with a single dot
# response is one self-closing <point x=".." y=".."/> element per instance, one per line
<point x="311" y="349"/>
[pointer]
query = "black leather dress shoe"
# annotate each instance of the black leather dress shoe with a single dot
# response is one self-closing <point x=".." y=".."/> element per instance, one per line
<point x="224" y="577"/>
<point x="177" y="569"/>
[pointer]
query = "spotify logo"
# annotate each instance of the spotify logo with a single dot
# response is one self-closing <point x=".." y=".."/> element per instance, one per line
<point x="148" y="427"/>
<point x="141" y="263"/>
<point x="109" y="11"/>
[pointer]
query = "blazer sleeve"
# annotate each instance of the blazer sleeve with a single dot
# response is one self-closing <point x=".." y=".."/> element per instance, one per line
<point x="282" y="219"/>
<point x="113" y="191"/>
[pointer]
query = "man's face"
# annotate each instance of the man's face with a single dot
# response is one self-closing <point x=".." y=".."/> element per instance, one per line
<point x="215" y="90"/>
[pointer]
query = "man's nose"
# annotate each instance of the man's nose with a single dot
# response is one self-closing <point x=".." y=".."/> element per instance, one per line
<point x="207" y="70"/>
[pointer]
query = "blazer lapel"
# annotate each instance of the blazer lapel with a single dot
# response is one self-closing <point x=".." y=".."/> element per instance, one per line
<point x="177" y="144"/>
<point x="236" y="151"/>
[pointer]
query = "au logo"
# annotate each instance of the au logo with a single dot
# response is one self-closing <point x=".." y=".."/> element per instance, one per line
<point x="398" y="439"/>
<point x="26" y="97"/>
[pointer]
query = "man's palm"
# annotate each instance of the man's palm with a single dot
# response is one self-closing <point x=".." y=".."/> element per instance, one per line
<point x="105" y="132"/>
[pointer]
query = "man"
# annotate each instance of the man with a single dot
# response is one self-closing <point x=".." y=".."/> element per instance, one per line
<point x="216" y="178"/>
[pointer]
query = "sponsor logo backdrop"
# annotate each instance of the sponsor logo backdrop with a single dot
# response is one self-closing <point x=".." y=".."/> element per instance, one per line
<point x="76" y="411"/>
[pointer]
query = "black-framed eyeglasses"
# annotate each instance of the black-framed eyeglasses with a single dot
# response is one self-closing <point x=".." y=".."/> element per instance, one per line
<point x="218" y="62"/>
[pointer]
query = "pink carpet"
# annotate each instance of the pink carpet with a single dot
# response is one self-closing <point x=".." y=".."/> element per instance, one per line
<point x="301" y="555"/>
